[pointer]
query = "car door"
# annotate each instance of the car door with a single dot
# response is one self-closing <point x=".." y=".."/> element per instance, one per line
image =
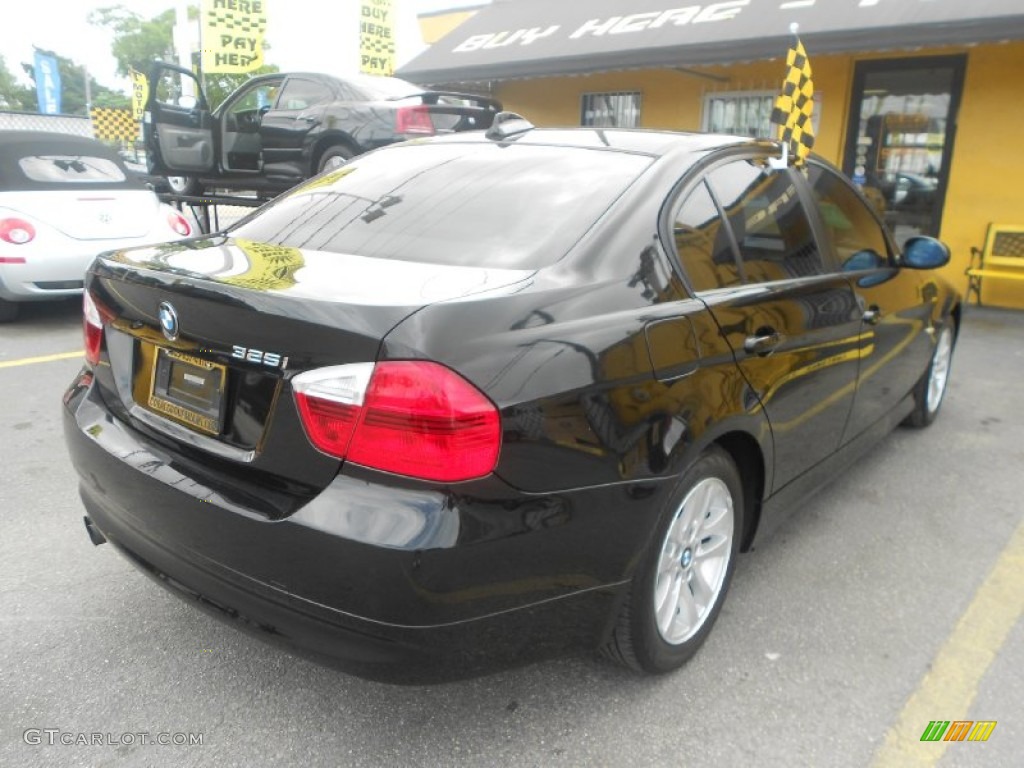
<point x="791" y="321"/>
<point x="896" y="304"/>
<point x="290" y="126"/>
<point x="177" y="126"/>
<point x="239" y="119"/>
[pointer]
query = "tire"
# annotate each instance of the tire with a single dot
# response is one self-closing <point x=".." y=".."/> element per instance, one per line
<point x="931" y="389"/>
<point x="334" y="157"/>
<point x="691" y="556"/>
<point x="184" y="185"/>
<point x="8" y="311"/>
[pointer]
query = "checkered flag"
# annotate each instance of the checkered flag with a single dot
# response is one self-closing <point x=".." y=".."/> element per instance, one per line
<point x="113" y="124"/>
<point x="795" y="105"/>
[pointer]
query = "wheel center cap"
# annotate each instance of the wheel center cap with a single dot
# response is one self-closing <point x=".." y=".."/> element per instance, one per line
<point x="686" y="559"/>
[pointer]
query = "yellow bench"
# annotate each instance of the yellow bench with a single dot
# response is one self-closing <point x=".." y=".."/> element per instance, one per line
<point x="1002" y="257"/>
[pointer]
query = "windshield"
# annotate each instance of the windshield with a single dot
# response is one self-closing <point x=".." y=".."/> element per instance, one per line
<point x="516" y="207"/>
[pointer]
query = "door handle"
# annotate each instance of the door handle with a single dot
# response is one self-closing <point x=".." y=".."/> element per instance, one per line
<point x="763" y="343"/>
<point x="306" y="119"/>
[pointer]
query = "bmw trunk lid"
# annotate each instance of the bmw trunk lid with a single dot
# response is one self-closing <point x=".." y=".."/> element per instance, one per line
<point x="203" y="336"/>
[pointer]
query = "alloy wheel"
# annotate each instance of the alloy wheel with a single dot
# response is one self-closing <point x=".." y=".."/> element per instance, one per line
<point x="694" y="560"/>
<point x="939" y="375"/>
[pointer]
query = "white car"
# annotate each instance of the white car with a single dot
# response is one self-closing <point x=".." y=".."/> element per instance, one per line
<point x="63" y="200"/>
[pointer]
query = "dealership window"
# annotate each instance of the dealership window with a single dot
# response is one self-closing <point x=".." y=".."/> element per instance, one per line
<point x="746" y="113"/>
<point x="619" y="109"/>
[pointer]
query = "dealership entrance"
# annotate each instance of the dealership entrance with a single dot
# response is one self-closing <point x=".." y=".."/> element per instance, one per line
<point x="899" y="142"/>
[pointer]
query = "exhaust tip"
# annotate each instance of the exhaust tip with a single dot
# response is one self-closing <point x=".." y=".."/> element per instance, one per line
<point x="95" y="536"/>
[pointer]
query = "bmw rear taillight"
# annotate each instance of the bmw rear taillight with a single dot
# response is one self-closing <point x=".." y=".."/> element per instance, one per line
<point x="414" y="120"/>
<point x="177" y="222"/>
<point x="92" y="326"/>
<point x="330" y="401"/>
<point x="409" y="417"/>
<point x="17" y="231"/>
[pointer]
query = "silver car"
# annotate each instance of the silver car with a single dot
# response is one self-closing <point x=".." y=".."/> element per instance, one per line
<point x="63" y="200"/>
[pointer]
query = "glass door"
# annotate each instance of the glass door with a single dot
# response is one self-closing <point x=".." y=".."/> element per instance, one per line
<point x="900" y="138"/>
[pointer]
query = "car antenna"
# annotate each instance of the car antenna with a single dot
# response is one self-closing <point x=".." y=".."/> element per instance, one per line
<point x="508" y="124"/>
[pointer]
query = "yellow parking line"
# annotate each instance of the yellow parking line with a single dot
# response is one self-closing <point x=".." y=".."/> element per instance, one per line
<point x="41" y="359"/>
<point x="947" y="691"/>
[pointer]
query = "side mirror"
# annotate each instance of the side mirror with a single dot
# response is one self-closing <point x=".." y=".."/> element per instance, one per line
<point x="862" y="260"/>
<point x="924" y="253"/>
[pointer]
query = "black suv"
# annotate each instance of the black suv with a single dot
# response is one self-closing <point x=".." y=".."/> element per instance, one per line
<point x="277" y="130"/>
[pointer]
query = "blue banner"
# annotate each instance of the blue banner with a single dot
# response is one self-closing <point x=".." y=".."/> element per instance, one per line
<point x="47" y="84"/>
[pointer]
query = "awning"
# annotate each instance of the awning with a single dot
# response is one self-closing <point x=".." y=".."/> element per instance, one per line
<point x="533" y="38"/>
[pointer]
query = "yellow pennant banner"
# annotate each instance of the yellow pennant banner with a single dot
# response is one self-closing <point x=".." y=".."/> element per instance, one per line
<point x="794" y="107"/>
<point x="376" y="37"/>
<point x="232" y="35"/>
<point x="140" y="93"/>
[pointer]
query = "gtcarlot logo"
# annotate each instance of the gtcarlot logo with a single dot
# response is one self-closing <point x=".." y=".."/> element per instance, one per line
<point x="960" y="730"/>
<point x="55" y="736"/>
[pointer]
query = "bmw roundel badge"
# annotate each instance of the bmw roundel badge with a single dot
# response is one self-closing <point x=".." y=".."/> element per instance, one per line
<point x="168" y="320"/>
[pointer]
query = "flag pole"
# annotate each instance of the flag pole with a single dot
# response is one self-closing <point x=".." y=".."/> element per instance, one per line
<point x="781" y="162"/>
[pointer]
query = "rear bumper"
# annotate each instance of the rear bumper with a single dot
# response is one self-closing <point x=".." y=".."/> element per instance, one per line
<point x="406" y="655"/>
<point x="454" y="589"/>
<point x="35" y="280"/>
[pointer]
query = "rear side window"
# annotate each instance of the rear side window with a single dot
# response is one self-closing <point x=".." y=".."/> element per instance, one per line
<point x="774" y="234"/>
<point x="517" y="207"/>
<point x="72" y="169"/>
<point x="702" y="243"/>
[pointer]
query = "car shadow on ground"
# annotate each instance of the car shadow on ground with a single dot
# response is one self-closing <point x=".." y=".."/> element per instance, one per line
<point x="40" y="315"/>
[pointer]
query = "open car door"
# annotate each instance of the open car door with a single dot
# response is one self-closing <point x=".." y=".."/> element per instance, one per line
<point x="177" y="127"/>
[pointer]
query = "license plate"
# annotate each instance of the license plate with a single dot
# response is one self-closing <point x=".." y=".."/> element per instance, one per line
<point x="189" y="390"/>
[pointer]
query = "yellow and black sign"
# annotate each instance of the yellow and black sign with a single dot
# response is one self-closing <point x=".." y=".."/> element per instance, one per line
<point x="232" y="35"/>
<point x="795" y="105"/>
<point x="376" y="37"/>
<point x="112" y="124"/>
<point x="140" y="93"/>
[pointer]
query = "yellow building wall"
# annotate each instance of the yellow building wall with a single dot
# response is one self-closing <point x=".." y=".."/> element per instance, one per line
<point x="986" y="180"/>
<point x="434" y="26"/>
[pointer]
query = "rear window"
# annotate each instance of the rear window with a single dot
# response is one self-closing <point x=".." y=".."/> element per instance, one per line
<point x="70" y="168"/>
<point x="514" y="207"/>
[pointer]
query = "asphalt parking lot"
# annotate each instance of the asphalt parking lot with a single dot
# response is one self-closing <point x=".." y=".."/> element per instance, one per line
<point x="894" y="598"/>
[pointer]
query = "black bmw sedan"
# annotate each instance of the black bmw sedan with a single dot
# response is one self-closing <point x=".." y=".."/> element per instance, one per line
<point x="486" y="397"/>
